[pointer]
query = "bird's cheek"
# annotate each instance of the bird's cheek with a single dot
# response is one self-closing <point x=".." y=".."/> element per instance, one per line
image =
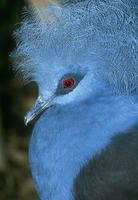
<point x="63" y="99"/>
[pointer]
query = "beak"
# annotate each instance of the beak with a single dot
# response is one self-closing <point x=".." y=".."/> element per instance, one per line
<point x="40" y="105"/>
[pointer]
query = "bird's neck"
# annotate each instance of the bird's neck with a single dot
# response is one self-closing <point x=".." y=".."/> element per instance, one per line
<point x="65" y="138"/>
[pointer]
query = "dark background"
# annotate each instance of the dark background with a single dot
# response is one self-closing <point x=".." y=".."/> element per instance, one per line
<point x="15" y="100"/>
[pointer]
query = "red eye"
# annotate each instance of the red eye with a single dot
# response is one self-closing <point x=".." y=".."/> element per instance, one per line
<point x="68" y="83"/>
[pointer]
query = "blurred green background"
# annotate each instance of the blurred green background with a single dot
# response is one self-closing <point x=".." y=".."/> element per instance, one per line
<point x="15" y="100"/>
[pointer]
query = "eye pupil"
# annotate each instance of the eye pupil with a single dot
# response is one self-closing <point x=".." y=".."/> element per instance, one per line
<point x="68" y="83"/>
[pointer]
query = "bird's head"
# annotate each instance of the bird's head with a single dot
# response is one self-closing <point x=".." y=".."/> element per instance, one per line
<point x="73" y="50"/>
<point x="73" y="85"/>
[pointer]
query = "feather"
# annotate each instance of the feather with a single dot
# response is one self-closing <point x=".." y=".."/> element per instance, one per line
<point x="112" y="174"/>
<point x="39" y="8"/>
<point x="98" y="34"/>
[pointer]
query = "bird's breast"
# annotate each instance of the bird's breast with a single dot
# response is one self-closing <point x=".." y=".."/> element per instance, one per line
<point x="64" y="141"/>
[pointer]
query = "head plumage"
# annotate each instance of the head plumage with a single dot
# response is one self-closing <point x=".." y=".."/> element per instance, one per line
<point x="97" y="33"/>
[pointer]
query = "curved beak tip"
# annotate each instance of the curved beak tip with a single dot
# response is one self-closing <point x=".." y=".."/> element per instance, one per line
<point x="28" y="118"/>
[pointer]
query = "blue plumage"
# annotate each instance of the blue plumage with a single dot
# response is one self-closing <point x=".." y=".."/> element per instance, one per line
<point x="107" y="28"/>
<point x="94" y="43"/>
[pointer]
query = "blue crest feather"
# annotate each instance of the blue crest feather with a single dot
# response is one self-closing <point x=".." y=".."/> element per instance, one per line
<point x="98" y="31"/>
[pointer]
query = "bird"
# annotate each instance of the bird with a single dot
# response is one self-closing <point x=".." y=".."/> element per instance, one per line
<point x="83" y="56"/>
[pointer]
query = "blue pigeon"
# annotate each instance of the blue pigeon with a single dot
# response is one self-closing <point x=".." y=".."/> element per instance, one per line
<point x="83" y="56"/>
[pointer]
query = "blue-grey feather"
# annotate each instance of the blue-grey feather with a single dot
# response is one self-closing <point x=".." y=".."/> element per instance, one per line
<point x="101" y="32"/>
<point x="95" y="38"/>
